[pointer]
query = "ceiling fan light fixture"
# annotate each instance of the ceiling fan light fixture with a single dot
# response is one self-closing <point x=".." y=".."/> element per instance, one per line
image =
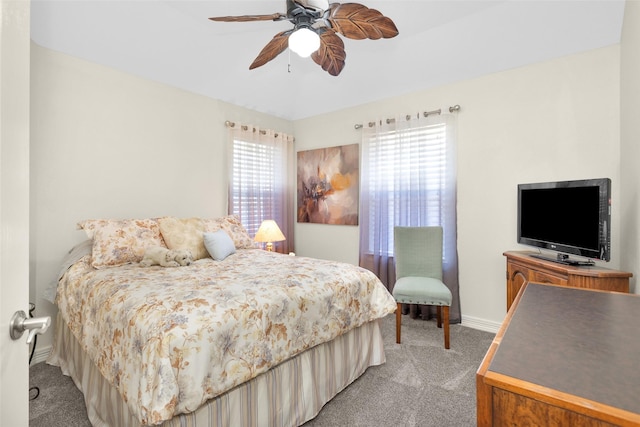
<point x="304" y="42"/>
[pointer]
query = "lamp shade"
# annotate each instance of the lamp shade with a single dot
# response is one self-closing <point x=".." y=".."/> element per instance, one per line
<point x="304" y="41"/>
<point x="269" y="232"/>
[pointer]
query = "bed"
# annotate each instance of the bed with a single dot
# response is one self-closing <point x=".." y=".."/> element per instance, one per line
<point x="255" y="338"/>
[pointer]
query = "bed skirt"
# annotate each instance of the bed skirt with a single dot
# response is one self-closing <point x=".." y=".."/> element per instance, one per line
<point x="287" y="395"/>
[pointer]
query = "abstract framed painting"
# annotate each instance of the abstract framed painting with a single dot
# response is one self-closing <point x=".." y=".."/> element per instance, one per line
<point x="328" y="185"/>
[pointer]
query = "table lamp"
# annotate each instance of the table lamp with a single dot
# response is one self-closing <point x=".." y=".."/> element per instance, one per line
<point x="269" y="232"/>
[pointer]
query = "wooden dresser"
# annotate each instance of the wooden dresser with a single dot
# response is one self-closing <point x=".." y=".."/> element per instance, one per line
<point x="523" y="267"/>
<point x="563" y="357"/>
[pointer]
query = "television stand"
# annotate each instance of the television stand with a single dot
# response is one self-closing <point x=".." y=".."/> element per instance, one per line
<point x="526" y="266"/>
<point x="564" y="259"/>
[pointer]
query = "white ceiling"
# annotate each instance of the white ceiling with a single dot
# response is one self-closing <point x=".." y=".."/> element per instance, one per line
<point x="440" y="41"/>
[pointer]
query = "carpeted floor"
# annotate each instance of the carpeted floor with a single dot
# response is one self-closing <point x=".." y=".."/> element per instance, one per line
<point x="420" y="384"/>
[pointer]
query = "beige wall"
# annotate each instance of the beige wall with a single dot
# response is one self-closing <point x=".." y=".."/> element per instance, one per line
<point x="629" y="140"/>
<point x="108" y="144"/>
<point x="556" y="120"/>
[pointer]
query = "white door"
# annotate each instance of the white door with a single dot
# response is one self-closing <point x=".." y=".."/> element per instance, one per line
<point x="14" y="208"/>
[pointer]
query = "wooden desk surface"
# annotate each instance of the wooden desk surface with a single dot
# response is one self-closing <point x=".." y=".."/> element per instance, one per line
<point x="581" y="342"/>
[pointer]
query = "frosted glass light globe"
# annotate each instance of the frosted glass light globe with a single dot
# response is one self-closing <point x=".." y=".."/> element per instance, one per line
<point x="304" y="42"/>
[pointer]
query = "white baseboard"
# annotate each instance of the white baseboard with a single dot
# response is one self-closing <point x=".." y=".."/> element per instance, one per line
<point x="41" y="354"/>
<point x="481" y="324"/>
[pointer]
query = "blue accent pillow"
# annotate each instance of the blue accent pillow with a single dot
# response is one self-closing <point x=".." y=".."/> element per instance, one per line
<point x="219" y="245"/>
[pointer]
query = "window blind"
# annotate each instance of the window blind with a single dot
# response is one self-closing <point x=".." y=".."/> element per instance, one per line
<point x="256" y="176"/>
<point x="407" y="177"/>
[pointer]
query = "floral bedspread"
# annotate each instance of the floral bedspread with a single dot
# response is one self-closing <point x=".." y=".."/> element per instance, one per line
<point x="171" y="338"/>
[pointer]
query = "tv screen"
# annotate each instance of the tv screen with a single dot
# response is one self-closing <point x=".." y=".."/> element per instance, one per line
<point x="570" y="217"/>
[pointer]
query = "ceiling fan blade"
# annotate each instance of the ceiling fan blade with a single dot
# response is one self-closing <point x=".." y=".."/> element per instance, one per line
<point x="275" y="47"/>
<point x="320" y="5"/>
<point x="356" y="21"/>
<point x="331" y="55"/>
<point x="250" y="18"/>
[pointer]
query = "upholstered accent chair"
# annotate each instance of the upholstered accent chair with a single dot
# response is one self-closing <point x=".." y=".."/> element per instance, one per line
<point x="418" y="259"/>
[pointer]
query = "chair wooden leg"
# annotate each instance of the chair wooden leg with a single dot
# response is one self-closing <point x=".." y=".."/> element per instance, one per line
<point x="446" y="326"/>
<point x="398" y="322"/>
<point x="439" y="315"/>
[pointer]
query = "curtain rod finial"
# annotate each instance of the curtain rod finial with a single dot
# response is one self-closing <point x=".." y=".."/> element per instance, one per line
<point x="454" y="108"/>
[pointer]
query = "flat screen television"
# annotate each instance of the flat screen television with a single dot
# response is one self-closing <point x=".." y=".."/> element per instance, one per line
<point x="569" y="217"/>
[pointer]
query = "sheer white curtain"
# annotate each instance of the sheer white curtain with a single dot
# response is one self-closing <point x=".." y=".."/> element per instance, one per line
<point x="408" y="175"/>
<point x="260" y="179"/>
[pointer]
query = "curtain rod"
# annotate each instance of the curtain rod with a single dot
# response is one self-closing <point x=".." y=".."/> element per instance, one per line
<point x="231" y="124"/>
<point x="244" y="127"/>
<point x="408" y="117"/>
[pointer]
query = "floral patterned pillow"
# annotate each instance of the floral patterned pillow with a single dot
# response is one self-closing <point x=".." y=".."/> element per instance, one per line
<point x="118" y="242"/>
<point x="185" y="233"/>
<point x="234" y="228"/>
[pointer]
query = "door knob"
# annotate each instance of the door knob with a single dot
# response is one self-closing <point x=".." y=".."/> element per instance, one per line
<point x="35" y="325"/>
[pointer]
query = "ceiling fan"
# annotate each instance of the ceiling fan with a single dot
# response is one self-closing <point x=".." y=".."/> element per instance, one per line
<point x="317" y="24"/>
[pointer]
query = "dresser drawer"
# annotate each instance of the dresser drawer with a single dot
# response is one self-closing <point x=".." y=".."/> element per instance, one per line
<point x="542" y="277"/>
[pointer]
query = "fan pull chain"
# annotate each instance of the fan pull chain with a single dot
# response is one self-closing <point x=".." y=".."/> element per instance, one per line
<point x="289" y="61"/>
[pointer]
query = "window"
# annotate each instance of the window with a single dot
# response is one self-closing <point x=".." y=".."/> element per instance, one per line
<point x="260" y="180"/>
<point x="409" y="179"/>
<point x="406" y="175"/>
<point x="256" y="177"/>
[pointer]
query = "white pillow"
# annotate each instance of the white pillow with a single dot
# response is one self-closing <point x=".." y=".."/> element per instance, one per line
<point x="219" y="245"/>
